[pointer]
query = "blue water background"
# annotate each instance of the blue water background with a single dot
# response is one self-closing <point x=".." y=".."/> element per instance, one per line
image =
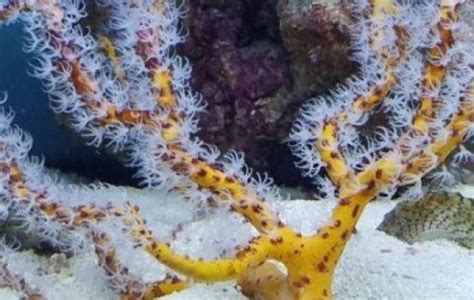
<point x="61" y="148"/>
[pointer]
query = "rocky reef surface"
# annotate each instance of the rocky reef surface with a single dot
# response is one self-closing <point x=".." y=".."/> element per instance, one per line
<point x="256" y="62"/>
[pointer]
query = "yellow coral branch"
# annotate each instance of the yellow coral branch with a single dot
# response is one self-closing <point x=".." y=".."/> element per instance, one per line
<point x="10" y="280"/>
<point x="435" y="72"/>
<point x="243" y="200"/>
<point x="337" y="168"/>
<point x="310" y="260"/>
<point x="169" y="285"/>
<point x="13" y="8"/>
<point x="110" y="263"/>
<point x="437" y="152"/>
<point x="255" y="253"/>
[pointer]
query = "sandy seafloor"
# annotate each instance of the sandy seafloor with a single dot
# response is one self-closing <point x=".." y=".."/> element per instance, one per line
<point x="374" y="266"/>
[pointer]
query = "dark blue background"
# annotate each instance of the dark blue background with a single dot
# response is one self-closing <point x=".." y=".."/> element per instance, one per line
<point x="62" y="149"/>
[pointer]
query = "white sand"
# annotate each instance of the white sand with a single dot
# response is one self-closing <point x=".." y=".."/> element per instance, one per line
<point x="374" y="265"/>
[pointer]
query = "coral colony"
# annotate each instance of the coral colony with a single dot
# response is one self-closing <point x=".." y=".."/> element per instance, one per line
<point x="111" y="71"/>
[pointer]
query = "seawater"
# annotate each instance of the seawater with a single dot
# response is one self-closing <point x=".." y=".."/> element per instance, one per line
<point x="61" y="148"/>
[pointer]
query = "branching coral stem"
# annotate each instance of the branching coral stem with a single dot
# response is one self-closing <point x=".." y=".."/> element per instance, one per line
<point x="158" y="129"/>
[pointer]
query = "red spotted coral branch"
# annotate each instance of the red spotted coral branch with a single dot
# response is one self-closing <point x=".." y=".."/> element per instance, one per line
<point x="150" y="109"/>
<point x="387" y="169"/>
<point x="122" y="86"/>
<point x="35" y="207"/>
<point x="12" y="8"/>
<point x="9" y="279"/>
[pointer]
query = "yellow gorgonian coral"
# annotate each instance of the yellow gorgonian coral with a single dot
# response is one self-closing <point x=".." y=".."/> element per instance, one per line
<point x="121" y="85"/>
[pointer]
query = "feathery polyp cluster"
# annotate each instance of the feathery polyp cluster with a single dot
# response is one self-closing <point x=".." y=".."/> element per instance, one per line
<point x="110" y="68"/>
<point x="409" y="95"/>
<point x="40" y="211"/>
